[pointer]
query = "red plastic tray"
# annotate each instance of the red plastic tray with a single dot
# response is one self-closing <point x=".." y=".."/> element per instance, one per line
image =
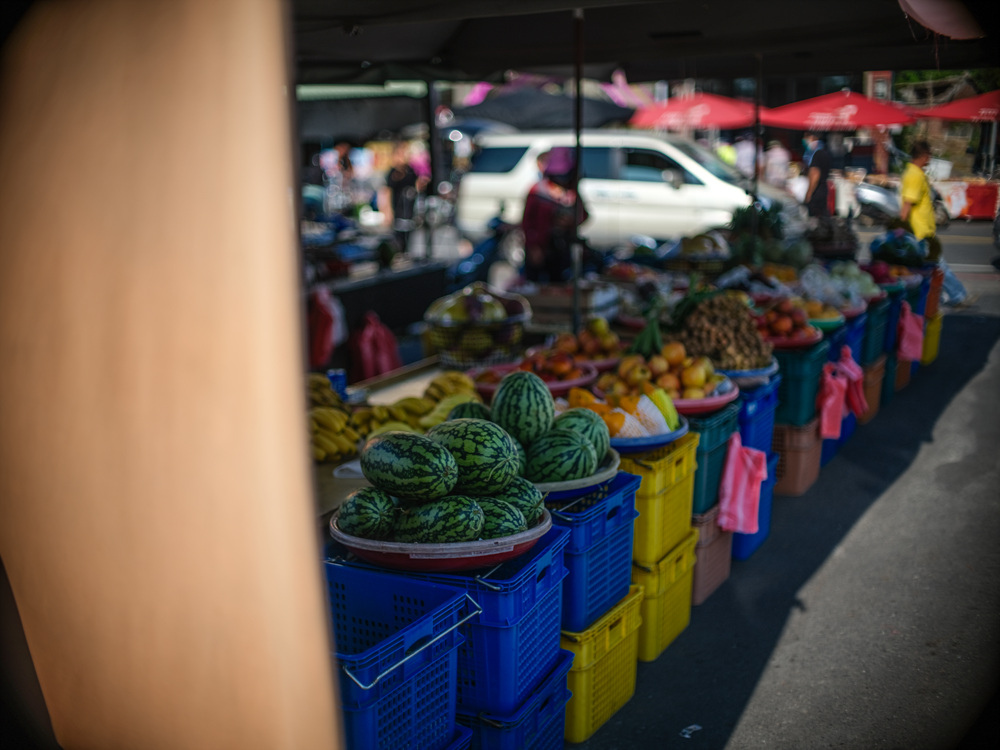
<point x="448" y="557"/>
<point x="557" y="387"/>
<point x="712" y="403"/>
<point x="802" y="343"/>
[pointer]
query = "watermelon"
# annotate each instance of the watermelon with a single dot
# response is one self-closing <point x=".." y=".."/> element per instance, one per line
<point x="589" y="424"/>
<point x="369" y="513"/>
<point x="559" y="456"/>
<point x="406" y="464"/>
<point x="522" y="457"/>
<point x="453" y="518"/>
<point x="524" y="496"/>
<point x="470" y="410"/>
<point x="485" y="454"/>
<point x="523" y="405"/>
<point x="500" y="518"/>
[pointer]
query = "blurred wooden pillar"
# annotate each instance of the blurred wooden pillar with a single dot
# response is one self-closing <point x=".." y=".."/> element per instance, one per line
<point x="158" y="526"/>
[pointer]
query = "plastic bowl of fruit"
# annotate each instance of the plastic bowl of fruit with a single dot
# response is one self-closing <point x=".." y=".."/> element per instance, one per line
<point x="441" y="557"/>
<point x="579" y="374"/>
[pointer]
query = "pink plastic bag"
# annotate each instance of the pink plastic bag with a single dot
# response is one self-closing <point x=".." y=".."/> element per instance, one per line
<point x="831" y="401"/>
<point x="855" y="377"/>
<point x="739" y="488"/>
<point x="911" y="334"/>
<point x="374" y="349"/>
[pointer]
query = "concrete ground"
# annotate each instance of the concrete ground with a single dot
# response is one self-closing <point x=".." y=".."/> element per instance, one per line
<point x="870" y="618"/>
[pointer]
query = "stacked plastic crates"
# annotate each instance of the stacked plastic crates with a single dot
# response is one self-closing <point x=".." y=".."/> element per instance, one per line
<point x="796" y="431"/>
<point x="873" y="358"/>
<point x="597" y="596"/>
<point x="397" y="642"/>
<point x="756" y="420"/>
<point x="663" y="553"/>
<point x="854" y="339"/>
<point x="713" y="550"/>
<point x="891" y="381"/>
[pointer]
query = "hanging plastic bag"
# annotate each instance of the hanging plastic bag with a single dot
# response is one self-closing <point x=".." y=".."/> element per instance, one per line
<point x="374" y="349"/>
<point x="322" y="328"/>
<point x="830" y="401"/>
<point x="855" y="377"/>
<point x="911" y="334"/>
<point x="739" y="488"/>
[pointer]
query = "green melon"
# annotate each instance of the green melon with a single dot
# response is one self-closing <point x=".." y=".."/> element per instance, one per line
<point x="453" y="518"/>
<point x="500" y="518"/>
<point x="524" y="496"/>
<point x="470" y="410"/>
<point x="523" y="406"/>
<point x="522" y="457"/>
<point x="590" y="425"/>
<point x="485" y="454"/>
<point x="369" y="513"/>
<point x="405" y="464"/>
<point x="559" y="456"/>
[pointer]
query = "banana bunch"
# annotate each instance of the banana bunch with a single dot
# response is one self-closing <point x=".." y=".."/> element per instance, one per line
<point x="333" y="437"/>
<point x="443" y="408"/>
<point x="448" y="383"/>
<point x="321" y="393"/>
<point x="403" y="414"/>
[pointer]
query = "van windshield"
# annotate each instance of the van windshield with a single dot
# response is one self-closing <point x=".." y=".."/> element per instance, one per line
<point x="710" y="161"/>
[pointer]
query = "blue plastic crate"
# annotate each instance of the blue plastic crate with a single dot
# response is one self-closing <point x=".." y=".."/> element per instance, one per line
<point x="745" y="545"/>
<point x="397" y="645"/>
<point x="836" y="338"/>
<point x="756" y="418"/>
<point x="515" y="638"/>
<point x="832" y="445"/>
<point x="917" y="295"/>
<point x="599" y="554"/>
<point x="855" y="338"/>
<point x="538" y="724"/>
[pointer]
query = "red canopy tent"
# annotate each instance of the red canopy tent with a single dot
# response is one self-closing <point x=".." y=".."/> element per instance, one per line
<point x="982" y="108"/>
<point x="697" y="112"/>
<point x="841" y="110"/>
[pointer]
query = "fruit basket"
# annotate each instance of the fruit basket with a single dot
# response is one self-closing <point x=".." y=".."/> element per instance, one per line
<point x="443" y="557"/>
<point x="556" y="387"/>
<point x="606" y="471"/>
<point x="725" y="392"/>
<point x="651" y="442"/>
<point x="811" y="337"/>
<point x="477" y="327"/>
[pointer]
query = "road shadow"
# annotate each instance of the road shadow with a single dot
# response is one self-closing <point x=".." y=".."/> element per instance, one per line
<point x="709" y="673"/>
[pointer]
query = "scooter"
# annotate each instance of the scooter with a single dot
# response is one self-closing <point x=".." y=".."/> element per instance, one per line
<point x="503" y="244"/>
<point x="877" y="206"/>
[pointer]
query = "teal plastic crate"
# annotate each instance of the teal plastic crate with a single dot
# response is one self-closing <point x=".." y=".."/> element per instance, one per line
<point x="800" y="375"/>
<point x="874" y="343"/>
<point x="714" y="431"/>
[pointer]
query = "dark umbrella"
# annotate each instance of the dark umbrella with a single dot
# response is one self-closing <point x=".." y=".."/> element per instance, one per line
<point x="531" y="109"/>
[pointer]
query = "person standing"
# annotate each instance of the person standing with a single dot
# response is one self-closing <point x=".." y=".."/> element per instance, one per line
<point x="402" y="183"/>
<point x="548" y="220"/>
<point x="776" y="161"/>
<point x="817" y="160"/>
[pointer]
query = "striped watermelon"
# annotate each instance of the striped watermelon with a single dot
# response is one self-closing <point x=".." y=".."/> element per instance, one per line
<point x="500" y="518"/>
<point x="524" y="496"/>
<point x="368" y="512"/>
<point x="453" y="518"/>
<point x="470" y="410"/>
<point x="522" y="457"/>
<point x="523" y="405"/>
<point x="589" y="424"/>
<point x="406" y="464"/>
<point x="485" y="454"/>
<point x="561" y="455"/>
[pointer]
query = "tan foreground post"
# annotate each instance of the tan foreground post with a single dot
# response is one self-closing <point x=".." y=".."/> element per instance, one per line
<point x="156" y="516"/>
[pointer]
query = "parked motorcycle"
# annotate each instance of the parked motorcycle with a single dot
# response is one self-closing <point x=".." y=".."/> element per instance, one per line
<point x="877" y="206"/>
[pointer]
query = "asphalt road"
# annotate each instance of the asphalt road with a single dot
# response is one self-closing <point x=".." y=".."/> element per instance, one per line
<point x="870" y="617"/>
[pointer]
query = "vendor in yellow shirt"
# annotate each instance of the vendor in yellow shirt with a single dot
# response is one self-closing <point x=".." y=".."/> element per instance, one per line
<point x="917" y="209"/>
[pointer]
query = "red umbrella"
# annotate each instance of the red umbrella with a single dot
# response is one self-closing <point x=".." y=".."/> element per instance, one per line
<point x="841" y="110"/>
<point x="696" y="112"/>
<point x="982" y="108"/>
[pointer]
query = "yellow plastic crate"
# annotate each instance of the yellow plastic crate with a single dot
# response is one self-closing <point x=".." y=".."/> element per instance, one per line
<point x="662" y="468"/>
<point x="664" y="520"/>
<point x="932" y="338"/>
<point x="666" y="605"/>
<point x="602" y="678"/>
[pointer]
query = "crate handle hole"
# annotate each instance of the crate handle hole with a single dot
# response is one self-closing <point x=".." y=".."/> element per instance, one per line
<point x="417" y="645"/>
<point x="613" y="512"/>
<point x="541" y="574"/>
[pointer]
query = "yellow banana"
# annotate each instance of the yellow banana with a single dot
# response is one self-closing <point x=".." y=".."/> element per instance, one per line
<point x="351" y="434"/>
<point x="318" y="453"/>
<point x="325" y="443"/>
<point x="387" y="426"/>
<point x="344" y="446"/>
<point x="328" y="417"/>
<point x="415" y="405"/>
<point x="380" y="412"/>
<point x="398" y="413"/>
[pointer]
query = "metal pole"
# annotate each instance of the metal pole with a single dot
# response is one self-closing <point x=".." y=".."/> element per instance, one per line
<point x="434" y="148"/>
<point x="756" y="140"/>
<point x="576" y="249"/>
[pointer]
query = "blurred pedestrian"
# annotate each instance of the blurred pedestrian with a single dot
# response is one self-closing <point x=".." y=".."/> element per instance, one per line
<point x="745" y="154"/>
<point x="399" y="196"/>
<point x="552" y="215"/>
<point x="817" y="161"/>
<point x="776" y="161"/>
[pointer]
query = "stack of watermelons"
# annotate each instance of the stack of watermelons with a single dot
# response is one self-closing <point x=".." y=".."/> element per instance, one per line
<point x="473" y="476"/>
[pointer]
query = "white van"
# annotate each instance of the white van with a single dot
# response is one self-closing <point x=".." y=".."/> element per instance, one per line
<point x="633" y="183"/>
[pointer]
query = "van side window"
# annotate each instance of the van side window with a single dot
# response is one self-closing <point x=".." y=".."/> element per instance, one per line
<point x="597" y="163"/>
<point x="497" y="159"/>
<point x="643" y="165"/>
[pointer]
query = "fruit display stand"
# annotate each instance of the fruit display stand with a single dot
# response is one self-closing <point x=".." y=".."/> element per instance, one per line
<point x="713" y="555"/>
<point x="714" y="431"/>
<point x="605" y="663"/>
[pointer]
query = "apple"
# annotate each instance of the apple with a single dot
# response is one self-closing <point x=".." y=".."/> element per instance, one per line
<point x="566" y="342"/>
<point x="668" y="381"/>
<point x="799" y="317"/>
<point x="706" y="362"/>
<point x="673" y="352"/>
<point x="559" y="364"/>
<point x="598" y="326"/>
<point x="785" y="306"/>
<point x="637" y="375"/>
<point x="658" y="365"/>
<point x="694" y="376"/>
<point x="592" y="348"/>
<point x="782" y="326"/>
<point x="610" y="343"/>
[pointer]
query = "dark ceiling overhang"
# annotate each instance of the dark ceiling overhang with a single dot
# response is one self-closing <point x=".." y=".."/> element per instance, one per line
<point x="480" y="39"/>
